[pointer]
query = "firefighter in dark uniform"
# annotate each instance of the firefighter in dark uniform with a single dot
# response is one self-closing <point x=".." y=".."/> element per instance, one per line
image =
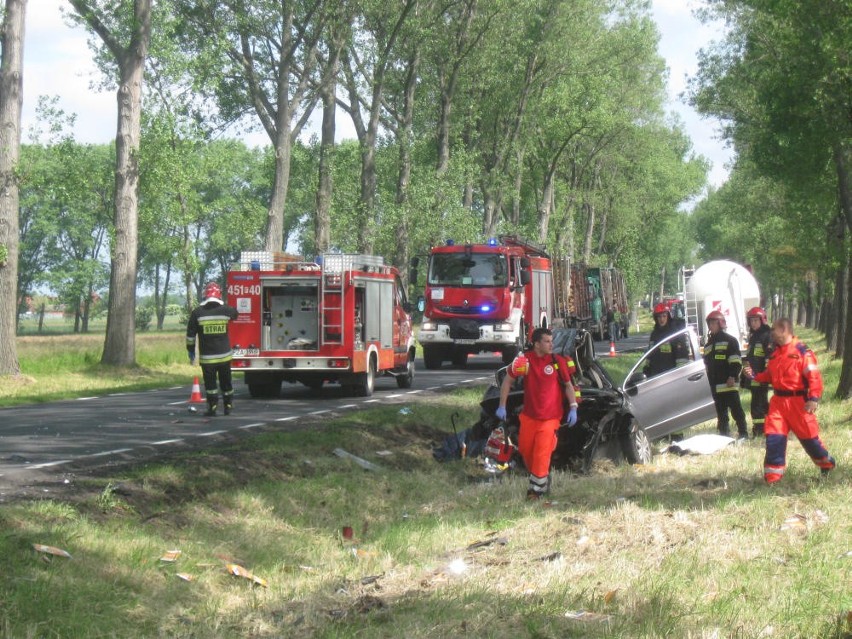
<point x="209" y="324"/>
<point x="724" y="364"/>
<point x="673" y="353"/>
<point x="759" y="348"/>
<point x="796" y="390"/>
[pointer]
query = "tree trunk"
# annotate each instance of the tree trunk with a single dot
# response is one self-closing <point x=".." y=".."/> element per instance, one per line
<point x="402" y="252"/>
<point x="844" y="387"/>
<point x="120" y="342"/>
<point x="322" y="223"/>
<point x="590" y="229"/>
<point x="11" y="98"/>
<point x="280" y="183"/>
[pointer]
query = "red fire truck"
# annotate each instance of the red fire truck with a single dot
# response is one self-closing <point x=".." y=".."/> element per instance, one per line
<point x="484" y="297"/>
<point x="344" y="318"/>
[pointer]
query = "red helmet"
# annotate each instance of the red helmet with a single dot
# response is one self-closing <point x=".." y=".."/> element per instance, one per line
<point x="717" y="315"/>
<point x="661" y="308"/>
<point x="212" y="293"/>
<point x="757" y="312"/>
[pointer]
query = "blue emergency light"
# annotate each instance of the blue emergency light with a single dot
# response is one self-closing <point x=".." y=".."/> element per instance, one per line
<point x="451" y="242"/>
<point x="492" y="241"/>
<point x="485" y="308"/>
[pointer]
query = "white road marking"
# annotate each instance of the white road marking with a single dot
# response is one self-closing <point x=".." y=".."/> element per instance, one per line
<point x="211" y="433"/>
<point x="286" y="419"/>
<point x="320" y="412"/>
<point x="166" y="441"/>
<point x="392" y="396"/>
<point x="256" y="424"/>
<point x="49" y="464"/>
<point x="117" y="451"/>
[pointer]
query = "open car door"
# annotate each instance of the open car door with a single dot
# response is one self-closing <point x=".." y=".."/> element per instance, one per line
<point x="674" y="399"/>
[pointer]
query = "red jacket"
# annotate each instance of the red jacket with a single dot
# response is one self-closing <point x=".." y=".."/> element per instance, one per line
<point x="544" y="385"/>
<point x="793" y="367"/>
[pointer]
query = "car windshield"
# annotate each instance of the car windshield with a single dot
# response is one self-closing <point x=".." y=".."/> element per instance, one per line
<point x="468" y="269"/>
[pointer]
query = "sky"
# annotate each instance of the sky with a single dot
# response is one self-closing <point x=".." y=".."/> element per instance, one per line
<point x="58" y="62"/>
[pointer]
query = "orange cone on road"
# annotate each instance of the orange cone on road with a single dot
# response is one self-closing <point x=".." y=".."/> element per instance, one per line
<point x="196" y="397"/>
<point x="612" y="349"/>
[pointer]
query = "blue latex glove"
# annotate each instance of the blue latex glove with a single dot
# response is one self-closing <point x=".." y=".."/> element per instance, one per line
<point x="571" y="419"/>
<point x="501" y="413"/>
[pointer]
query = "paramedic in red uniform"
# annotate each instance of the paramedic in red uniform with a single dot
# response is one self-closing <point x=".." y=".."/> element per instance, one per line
<point x="209" y="322"/>
<point x="547" y="385"/>
<point x="797" y="387"/>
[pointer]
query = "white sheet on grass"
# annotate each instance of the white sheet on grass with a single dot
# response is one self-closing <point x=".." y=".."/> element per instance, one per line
<point x="706" y="444"/>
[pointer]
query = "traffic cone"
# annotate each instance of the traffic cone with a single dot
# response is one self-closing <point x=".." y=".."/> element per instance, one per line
<point x="612" y="349"/>
<point x="196" y="397"/>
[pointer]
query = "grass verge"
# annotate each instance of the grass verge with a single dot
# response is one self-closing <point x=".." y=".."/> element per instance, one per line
<point x="685" y="547"/>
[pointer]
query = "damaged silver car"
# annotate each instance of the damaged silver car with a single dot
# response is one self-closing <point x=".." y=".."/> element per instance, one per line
<point x="619" y="421"/>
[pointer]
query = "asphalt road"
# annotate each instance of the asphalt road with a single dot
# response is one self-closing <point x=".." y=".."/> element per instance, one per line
<point x="44" y="446"/>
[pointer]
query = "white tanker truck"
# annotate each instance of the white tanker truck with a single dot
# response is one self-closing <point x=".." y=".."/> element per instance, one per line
<point x="723" y="286"/>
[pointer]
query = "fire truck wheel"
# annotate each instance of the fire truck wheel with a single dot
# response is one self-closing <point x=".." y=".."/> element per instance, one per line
<point x="433" y="357"/>
<point x="266" y="388"/>
<point x="460" y="359"/>
<point x="405" y="380"/>
<point x="635" y="445"/>
<point x="314" y="384"/>
<point x="366" y="382"/>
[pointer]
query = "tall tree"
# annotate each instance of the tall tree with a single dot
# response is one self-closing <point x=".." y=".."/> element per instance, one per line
<point x="781" y="80"/>
<point x="366" y="64"/>
<point x="261" y="60"/>
<point x="124" y="29"/>
<point x="11" y="99"/>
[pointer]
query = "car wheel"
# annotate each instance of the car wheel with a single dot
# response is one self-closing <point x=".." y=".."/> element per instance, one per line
<point x="459" y="359"/>
<point x="265" y="389"/>
<point x="405" y="381"/>
<point x="636" y="446"/>
<point x="433" y="357"/>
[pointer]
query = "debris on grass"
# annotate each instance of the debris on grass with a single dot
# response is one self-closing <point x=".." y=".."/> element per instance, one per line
<point x="803" y="523"/>
<point x="239" y="571"/>
<point x="170" y="556"/>
<point x="184" y="576"/>
<point x="588" y="617"/>
<point x="51" y="550"/>
<point x="488" y="542"/>
<point x="363" y="463"/>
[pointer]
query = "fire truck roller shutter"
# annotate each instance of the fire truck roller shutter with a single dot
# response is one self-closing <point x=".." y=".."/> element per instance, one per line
<point x="378" y="312"/>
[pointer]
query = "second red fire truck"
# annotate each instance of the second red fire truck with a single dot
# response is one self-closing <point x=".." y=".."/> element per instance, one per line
<point x="484" y="297"/>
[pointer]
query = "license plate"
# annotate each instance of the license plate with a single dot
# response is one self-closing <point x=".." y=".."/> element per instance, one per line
<point x="464" y="341"/>
<point x="246" y="352"/>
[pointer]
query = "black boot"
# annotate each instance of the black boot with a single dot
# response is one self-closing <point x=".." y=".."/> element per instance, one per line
<point x="211" y="408"/>
<point x="228" y="408"/>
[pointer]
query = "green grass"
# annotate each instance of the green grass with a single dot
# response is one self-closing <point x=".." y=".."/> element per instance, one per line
<point x="685" y="547"/>
<point x="66" y="366"/>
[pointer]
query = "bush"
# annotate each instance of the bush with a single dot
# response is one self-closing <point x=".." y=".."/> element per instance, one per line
<point x="144" y="315"/>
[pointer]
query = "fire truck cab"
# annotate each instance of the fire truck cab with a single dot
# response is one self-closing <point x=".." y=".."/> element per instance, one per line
<point x="343" y="318"/>
<point x="484" y="297"/>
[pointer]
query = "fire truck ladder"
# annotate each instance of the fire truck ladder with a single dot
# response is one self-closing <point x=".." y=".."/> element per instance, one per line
<point x="690" y="303"/>
<point x="332" y="305"/>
